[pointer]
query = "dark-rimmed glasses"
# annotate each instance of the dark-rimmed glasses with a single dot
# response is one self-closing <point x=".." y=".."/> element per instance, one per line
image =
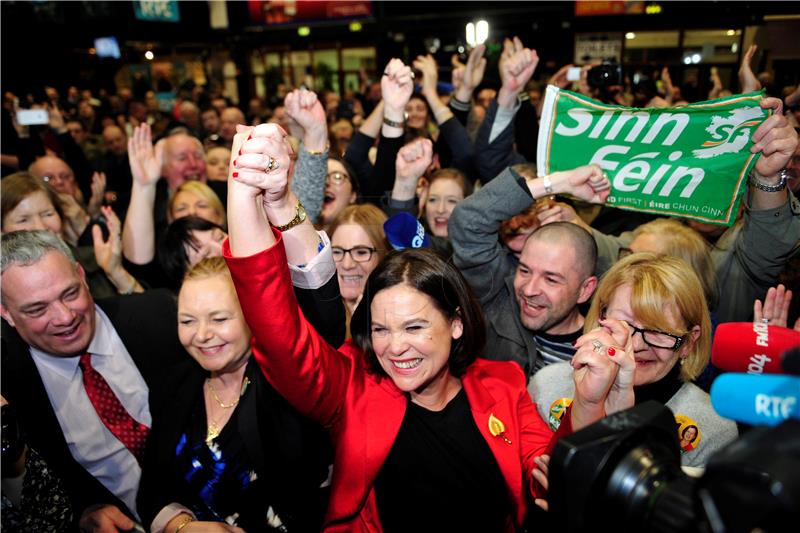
<point x="359" y="254"/>
<point x="656" y="338"/>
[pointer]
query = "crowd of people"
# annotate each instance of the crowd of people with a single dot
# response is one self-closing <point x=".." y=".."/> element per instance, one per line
<point x="213" y="323"/>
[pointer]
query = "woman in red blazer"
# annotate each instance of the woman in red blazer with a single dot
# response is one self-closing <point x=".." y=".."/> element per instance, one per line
<point x="426" y="436"/>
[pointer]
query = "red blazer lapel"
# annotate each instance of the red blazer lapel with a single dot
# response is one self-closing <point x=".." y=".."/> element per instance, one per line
<point x="502" y="434"/>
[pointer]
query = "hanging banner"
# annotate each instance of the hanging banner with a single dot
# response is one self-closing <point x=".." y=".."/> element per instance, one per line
<point x="690" y="161"/>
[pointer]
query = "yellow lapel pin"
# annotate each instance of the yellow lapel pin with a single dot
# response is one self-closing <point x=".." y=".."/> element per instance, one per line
<point x="497" y="428"/>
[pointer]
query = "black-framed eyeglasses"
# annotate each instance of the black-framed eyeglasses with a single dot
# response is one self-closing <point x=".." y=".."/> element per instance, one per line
<point x="656" y="338"/>
<point x="337" y="177"/>
<point x="359" y="254"/>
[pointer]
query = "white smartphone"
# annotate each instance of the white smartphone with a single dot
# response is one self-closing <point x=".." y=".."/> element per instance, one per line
<point x="574" y="74"/>
<point x="32" y="117"/>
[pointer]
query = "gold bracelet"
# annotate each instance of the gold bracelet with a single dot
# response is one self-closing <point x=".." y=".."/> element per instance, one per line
<point x="318" y="152"/>
<point x="186" y="521"/>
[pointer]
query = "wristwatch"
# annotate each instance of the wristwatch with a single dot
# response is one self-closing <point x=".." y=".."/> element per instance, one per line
<point x="299" y="217"/>
<point x="395" y="124"/>
<point x="758" y="184"/>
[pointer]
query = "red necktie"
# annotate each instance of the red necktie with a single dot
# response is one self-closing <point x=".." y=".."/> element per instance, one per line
<point x="129" y="432"/>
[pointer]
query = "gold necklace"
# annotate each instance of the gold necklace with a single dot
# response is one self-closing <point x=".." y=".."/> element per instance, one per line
<point x="213" y="429"/>
<point x="234" y="403"/>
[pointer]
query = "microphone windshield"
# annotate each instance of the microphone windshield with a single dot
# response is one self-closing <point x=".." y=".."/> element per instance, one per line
<point x="404" y="231"/>
<point x="752" y="347"/>
<point x="756" y="400"/>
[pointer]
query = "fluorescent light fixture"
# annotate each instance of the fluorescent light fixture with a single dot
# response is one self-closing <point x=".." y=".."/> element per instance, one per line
<point x="471" y="34"/>
<point x="481" y="31"/>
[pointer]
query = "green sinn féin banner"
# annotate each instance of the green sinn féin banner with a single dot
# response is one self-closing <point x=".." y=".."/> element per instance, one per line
<point x="690" y="161"/>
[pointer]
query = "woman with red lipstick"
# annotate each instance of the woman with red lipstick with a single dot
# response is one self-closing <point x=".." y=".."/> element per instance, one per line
<point x="421" y="428"/>
<point x="654" y="308"/>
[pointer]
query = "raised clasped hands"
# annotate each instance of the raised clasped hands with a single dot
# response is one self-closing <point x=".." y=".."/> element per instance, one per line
<point x="260" y="162"/>
<point x="603" y="371"/>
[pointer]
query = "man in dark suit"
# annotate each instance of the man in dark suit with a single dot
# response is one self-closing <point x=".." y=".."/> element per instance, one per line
<point x="55" y="336"/>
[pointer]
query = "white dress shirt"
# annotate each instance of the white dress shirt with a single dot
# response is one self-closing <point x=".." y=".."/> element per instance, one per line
<point x="91" y="443"/>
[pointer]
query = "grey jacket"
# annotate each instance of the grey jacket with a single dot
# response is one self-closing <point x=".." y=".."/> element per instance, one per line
<point x="748" y="257"/>
<point x="308" y="182"/>
<point x="555" y="381"/>
<point x="489" y="267"/>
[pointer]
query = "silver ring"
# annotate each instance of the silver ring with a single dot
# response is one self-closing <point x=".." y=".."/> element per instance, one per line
<point x="765" y="320"/>
<point x="413" y="76"/>
<point x="598" y="346"/>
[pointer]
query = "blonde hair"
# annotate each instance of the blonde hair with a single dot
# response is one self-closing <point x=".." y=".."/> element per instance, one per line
<point x="200" y="189"/>
<point x="371" y="220"/>
<point x="681" y="241"/>
<point x="660" y="282"/>
<point x="210" y="266"/>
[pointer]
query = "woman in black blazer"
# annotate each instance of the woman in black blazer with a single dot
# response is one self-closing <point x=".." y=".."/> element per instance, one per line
<point x="226" y="448"/>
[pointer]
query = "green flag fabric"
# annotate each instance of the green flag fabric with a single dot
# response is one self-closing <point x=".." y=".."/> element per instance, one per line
<point x="689" y="161"/>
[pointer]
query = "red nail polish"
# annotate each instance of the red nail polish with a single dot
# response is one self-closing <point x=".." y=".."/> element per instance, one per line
<point x="240" y="151"/>
<point x="250" y="137"/>
<point x="235" y="174"/>
<point x="611" y="351"/>
<point x="234" y="162"/>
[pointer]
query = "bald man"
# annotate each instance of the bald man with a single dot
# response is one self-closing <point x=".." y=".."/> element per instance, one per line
<point x="531" y="302"/>
<point x="229" y="118"/>
<point x="58" y="175"/>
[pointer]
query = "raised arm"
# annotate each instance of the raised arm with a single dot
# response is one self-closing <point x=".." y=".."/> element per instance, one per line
<point x="495" y="141"/>
<point x="770" y="231"/>
<point x="397" y="84"/>
<point x="310" y="374"/>
<point x="308" y="182"/>
<point x="412" y="161"/>
<point x="747" y="80"/>
<point x="139" y="233"/>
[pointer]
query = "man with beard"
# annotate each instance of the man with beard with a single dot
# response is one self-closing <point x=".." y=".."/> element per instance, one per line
<point x="531" y="303"/>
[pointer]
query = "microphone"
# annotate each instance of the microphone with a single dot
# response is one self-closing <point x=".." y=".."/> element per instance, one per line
<point x="756" y="400"/>
<point x="752" y="347"/>
<point x="404" y="231"/>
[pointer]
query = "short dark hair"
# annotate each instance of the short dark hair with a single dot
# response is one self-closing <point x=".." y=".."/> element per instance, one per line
<point x="172" y="247"/>
<point x="428" y="272"/>
<point x="571" y="235"/>
<point x="350" y="172"/>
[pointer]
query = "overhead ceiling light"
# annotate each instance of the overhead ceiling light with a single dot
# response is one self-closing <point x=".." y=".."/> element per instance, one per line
<point x="304" y="31"/>
<point x="730" y="33"/>
<point x="696" y="58"/>
<point x="149" y="55"/>
<point x="471" y="34"/>
<point x="481" y="31"/>
<point x="630" y="35"/>
<point x="687" y="60"/>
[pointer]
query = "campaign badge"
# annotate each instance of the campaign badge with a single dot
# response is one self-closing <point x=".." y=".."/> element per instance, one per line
<point x="688" y="433"/>
<point x="557" y="410"/>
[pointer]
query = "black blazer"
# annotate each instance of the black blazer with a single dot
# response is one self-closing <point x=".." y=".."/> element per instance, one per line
<point x="288" y="451"/>
<point x="147" y="325"/>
